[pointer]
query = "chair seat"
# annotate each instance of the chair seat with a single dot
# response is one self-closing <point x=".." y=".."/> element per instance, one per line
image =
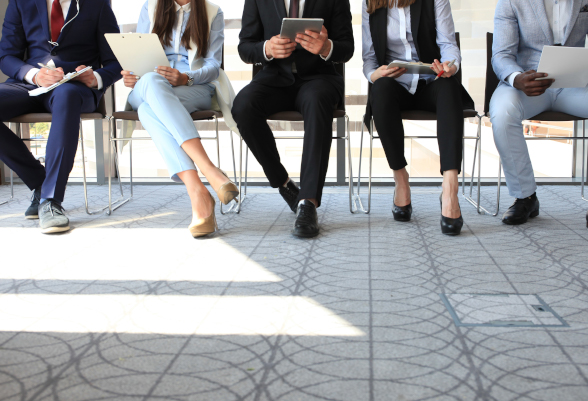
<point x="420" y="115"/>
<point x="33" y="118"/>
<point x="555" y="116"/>
<point x="296" y="116"/>
<point x="196" y="116"/>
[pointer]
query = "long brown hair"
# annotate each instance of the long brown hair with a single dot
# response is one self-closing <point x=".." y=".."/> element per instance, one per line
<point x="197" y="29"/>
<point x="374" y="5"/>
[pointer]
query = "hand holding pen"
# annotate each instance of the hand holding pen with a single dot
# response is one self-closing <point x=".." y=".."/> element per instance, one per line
<point x="444" y="70"/>
<point x="48" y="76"/>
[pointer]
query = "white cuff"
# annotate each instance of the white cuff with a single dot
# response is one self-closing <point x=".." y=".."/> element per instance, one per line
<point x="265" y="54"/>
<point x="369" y="75"/>
<point x="98" y="81"/>
<point x="31" y="75"/>
<point x="330" y="53"/>
<point x="512" y="77"/>
<point x="457" y="65"/>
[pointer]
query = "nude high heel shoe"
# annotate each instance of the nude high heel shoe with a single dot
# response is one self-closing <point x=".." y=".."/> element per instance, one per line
<point x="208" y="225"/>
<point x="228" y="191"/>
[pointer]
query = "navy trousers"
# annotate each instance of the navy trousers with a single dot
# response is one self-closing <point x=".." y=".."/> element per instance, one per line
<point x="67" y="102"/>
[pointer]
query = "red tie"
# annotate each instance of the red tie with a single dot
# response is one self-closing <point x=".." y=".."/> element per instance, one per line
<point x="57" y="20"/>
<point x="294" y="9"/>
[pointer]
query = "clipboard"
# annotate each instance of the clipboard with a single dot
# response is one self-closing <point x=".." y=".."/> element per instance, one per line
<point x="66" y="78"/>
<point x="137" y="52"/>
<point x="414" y="67"/>
<point x="567" y="65"/>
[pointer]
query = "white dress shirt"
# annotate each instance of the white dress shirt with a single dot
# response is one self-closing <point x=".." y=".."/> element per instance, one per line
<point x="65" y="8"/>
<point x="300" y="12"/>
<point x="181" y="11"/>
<point x="400" y="42"/>
<point x="558" y="15"/>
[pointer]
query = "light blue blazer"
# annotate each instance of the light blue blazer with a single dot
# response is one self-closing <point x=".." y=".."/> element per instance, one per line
<point x="521" y="29"/>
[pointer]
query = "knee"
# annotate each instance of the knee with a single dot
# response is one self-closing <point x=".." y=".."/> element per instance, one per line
<point x="67" y="94"/>
<point x="243" y="108"/>
<point x="386" y="90"/>
<point x="149" y="81"/>
<point x="504" y="110"/>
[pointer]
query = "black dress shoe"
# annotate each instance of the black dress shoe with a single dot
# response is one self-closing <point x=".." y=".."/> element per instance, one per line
<point x="521" y="210"/>
<point x="32" y="212"/>
<point x="306" y="224"/>
<point x="450" y="226"/>
<point x="401" y="213"/>
<point x="290" y="194"/>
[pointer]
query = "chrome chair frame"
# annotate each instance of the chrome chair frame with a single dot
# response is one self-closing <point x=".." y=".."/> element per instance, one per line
<point x="355" y="203"/>
<point x="113" y="149"/>
<point x="276" y="117"/>
<point x="83" y="117"/>
<point x="491" y="85"/>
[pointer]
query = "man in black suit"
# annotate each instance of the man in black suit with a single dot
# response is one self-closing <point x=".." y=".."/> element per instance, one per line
<point x="297" y="75"/>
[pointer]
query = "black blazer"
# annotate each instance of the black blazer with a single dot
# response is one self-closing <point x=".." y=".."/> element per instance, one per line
<point x="424" y="33"/>
<point x="262" y="19"/>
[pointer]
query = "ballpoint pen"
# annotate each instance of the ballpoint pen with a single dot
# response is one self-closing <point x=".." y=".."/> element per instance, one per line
<point x="443" y="72"/>
<point x="46" y="66"/>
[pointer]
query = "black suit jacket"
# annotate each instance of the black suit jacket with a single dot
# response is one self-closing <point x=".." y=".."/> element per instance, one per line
<point x="262" y="19"/>
<point x="424" y="33"/>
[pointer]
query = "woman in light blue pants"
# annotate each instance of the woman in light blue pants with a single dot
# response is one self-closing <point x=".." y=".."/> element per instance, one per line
<point x="165" y="98"/>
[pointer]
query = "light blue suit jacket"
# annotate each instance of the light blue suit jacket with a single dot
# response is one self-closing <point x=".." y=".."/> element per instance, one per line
<point x="521" y="29"/>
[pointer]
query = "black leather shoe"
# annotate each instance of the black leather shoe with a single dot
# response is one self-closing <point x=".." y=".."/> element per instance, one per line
<point x="521" y="210"/>
<point x="401" y="213"/>
<point x="290" y="194"/>
<point x="32" y="212"/>
<point x="306" y="224"/>
<point x="450" y="226"/>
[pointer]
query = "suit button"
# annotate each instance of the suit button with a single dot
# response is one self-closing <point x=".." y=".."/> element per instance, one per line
<point x="54" y="53"/>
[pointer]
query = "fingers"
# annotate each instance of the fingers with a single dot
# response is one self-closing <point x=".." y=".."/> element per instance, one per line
<point x="276" y="40"/>
<point x="312" y="34"/>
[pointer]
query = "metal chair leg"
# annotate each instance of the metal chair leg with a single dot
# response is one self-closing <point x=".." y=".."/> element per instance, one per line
<point x="233" y="206"/>
<point x="11" y="184"/>
<point x="584" y="159"/>
<point x="113" y="150"/>
<point x="478" y="156"/>
<point x="85" y="178"/>
<point x="355" y="203"/>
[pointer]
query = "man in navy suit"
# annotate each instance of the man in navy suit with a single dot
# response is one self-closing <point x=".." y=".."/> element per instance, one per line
<point x="66" y="35"/>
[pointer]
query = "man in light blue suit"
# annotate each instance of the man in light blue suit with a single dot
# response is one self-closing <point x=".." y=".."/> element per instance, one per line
<point x="521" y="29"/>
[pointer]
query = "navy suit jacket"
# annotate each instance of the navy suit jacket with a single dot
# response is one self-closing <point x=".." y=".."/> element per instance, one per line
<point x="26" y="35"/>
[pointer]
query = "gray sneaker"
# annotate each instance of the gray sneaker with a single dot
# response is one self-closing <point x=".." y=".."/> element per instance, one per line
<point x="52" y="218"/>
<point x="32" y="212"/>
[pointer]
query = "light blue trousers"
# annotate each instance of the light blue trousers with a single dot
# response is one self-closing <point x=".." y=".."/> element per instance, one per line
<point x="508" y="108"/>
<point x="164" y="111"/>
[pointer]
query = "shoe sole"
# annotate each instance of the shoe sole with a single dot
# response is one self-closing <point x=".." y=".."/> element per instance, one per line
<point x="304" y="235"/>
<point x="55" y="230"/>
<point x="404" y="220"/>
<point x="532" y="215"/>
<point x="32" y="217"/>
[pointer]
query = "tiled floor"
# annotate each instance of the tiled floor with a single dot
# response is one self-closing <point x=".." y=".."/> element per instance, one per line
<point x="130" y="307"/>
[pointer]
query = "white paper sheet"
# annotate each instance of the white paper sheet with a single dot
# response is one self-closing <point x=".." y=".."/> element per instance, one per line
<point x="567" y="65"/>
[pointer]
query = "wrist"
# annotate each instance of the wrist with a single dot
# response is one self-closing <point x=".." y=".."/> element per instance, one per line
<point x="185" y="79"/>
<point x="268" y="51"/>
<point x="326" y="49"/>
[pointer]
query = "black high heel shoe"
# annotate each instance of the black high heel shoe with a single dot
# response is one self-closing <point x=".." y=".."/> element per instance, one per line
<point x="450" y="226"/>
<point x="401" y="213"/>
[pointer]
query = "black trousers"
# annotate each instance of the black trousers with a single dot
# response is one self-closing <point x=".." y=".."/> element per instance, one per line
<point x="315" y="100"/>
<point x="443" y="96"/>
<point x="66" y="103"/>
